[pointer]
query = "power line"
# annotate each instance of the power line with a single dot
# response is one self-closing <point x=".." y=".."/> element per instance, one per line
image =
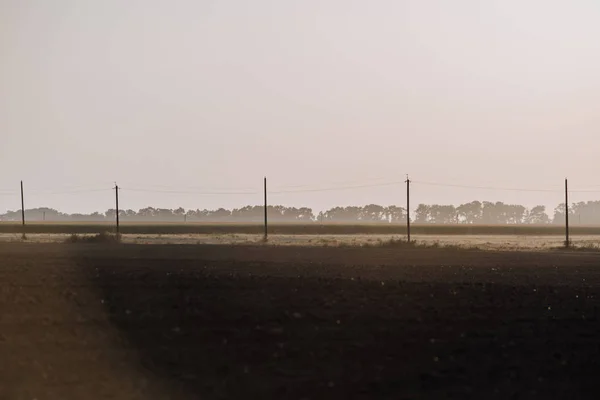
<point x="300" y="189"/>
<point x="325" y="189"/>
<point x="186" y="192"/>
<point x="69" y="192"/>
<point x="193" y="188"/>
<point x="592" y="186"/>
<point x="503" y="188"/>
<point x="226" y="190"/>
<point x="91" y="185"/>
<point x="584" y="191"/>
<point x="348" y="182"/>
<point x="337" y="188"/>
<point x="486" y="187"/>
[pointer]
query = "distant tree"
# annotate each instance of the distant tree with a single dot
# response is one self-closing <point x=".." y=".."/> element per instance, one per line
<point x="293" y="214"/>
<point x="96" y="216"/>
<point x="422" y="214"/>
<point x="305" y="214"/>
<point x="395" y="214"/>
<point x="129" y="215"/>
<point x="321" y="216"/>
<point x="343" y="214"/>
<point x="559" y="214"/>
<point x="441" y="214"/>
<point x="470" y="213"/>
<point x="147" y="213"/>
<point x="372" y="213"/>
<point x="537" y="215"/>
<point x="515" y="214"/>
<point x="586" y="212"/>
<point x="475" y="212"/>
<point x="249" y="213"/>
<point x="220" y="215"/>
<point x="490" y="212"/>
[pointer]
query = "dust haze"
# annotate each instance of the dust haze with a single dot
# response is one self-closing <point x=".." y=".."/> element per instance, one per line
<point x="177" y="100"/>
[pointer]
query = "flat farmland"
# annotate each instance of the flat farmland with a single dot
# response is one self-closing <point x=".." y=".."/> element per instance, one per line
<point x="153" y="228"/>
<point x="482" y="242"/>
<point x="133" y="321"/>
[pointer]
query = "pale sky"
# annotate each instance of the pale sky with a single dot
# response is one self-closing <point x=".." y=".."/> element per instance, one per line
<point x="210" y="96"/>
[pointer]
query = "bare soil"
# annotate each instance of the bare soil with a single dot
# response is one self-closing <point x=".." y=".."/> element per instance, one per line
<point x="132" y="321"/>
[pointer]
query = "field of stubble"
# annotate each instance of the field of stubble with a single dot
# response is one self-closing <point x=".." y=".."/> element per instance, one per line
<point x="220" y="321"/>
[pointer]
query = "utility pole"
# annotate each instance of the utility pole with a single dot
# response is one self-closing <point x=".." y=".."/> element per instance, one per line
<point x="117" y="206"/>
<point x="567" y="242"/>
<point x="22" y="207"/>
<point x="408" y="208"/>
<point x="266" y="220"/>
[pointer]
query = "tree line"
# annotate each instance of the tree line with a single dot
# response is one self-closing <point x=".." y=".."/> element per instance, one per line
<point x="475" y="212"/>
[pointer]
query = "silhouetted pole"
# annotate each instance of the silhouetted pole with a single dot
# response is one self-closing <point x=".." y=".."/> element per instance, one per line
<point x="266" y="220"/>
<point x="117" y="205"/>
<point x="22" y="206"/>
<point x="567" y="242"/>
<point x="408" y="208"/>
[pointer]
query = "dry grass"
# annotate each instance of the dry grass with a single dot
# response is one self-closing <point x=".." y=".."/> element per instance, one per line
<point x="587" y="247"/>
<point x="104" y="237"/>
<point x="481" y="242"/>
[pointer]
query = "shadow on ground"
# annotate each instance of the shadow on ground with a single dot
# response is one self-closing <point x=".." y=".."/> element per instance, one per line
<point x="240" y="334"/>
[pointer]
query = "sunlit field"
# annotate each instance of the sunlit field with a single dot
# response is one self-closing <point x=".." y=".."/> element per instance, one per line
<point x="479" y="242"/>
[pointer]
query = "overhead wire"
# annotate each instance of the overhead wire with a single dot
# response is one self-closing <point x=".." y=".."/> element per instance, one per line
<point x="294" y="189"/>
<point x="277" y="191"/>
<point x="188" y="188"/>
<point x="484" y="187"/>
<point x="346" y="182"/>
<point x="219" y="190"/>
<point x="329" y="189"/>
<point x="185" y="191"/>
<point x="34" y="193"/>
<point x="504" y="188"/>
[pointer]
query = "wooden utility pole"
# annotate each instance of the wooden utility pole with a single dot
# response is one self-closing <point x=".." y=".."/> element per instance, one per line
<point x="408" y="208"/>
<point x="22" y="206"/>
<point x="117" y="206"/>
<point x="266" y="220"/>
<point x="567" y="242"/>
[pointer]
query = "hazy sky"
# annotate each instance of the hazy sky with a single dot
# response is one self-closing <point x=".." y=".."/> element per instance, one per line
<point x="210" y="96"/>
